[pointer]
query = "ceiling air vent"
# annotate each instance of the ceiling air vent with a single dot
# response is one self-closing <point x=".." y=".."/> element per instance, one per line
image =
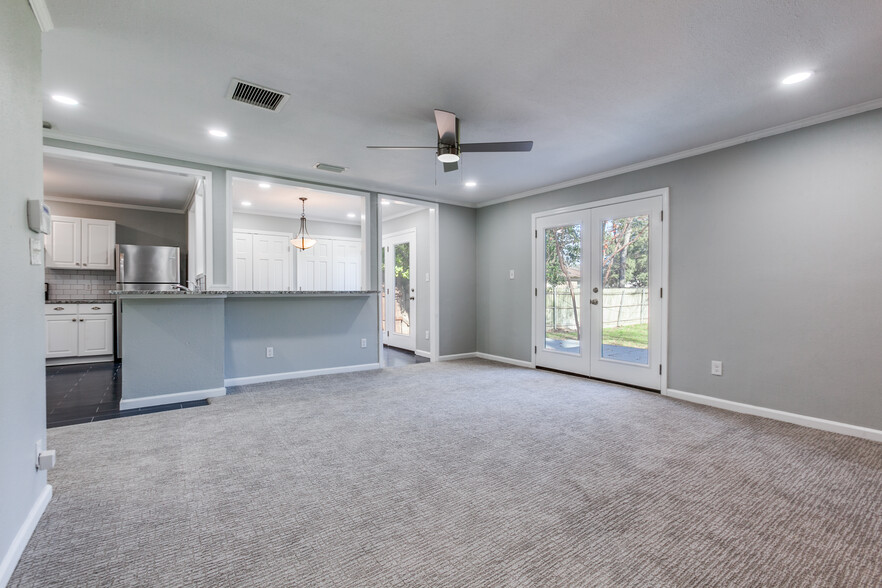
<point x="330" y="168"/>
<point x="257" y="95"/>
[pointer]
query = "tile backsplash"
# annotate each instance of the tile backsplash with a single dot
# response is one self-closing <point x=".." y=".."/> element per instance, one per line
<point x="80" y="284"/>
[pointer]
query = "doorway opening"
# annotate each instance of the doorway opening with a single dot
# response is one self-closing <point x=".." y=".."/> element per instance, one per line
<point x="599" y="277"/>
<point x="408" y="264"/>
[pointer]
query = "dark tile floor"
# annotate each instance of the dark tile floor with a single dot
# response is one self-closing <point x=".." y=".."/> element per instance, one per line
<point x="91" y="392"/>
<point x="396" y="357"/>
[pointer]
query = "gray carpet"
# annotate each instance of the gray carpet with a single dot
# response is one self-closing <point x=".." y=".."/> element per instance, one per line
<point x="456" y="474"/>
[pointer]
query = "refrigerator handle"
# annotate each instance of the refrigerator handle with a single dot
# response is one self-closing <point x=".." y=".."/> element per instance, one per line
<point x="122" y="268"/>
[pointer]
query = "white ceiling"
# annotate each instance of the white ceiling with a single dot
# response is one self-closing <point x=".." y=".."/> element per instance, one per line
<point x="284" y="200"/>
<point x="106" y="182"/>
<point x="597" y="85"/>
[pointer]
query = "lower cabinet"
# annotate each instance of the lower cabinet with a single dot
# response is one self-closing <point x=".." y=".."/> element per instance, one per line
<point x="79" y="331"/>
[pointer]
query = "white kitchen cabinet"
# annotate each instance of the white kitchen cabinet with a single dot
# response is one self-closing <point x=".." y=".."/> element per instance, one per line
<point x="80" y="243"/>
<point x="77" y="333"/>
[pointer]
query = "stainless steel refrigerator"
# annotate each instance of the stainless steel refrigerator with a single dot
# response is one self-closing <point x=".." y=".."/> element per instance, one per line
<point x="147" y="267"/>
<point x="144" y="267"/>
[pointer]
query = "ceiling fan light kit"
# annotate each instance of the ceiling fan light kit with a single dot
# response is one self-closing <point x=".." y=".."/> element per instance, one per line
<point x="449" y="148"/>
<point x="303" y="240"/>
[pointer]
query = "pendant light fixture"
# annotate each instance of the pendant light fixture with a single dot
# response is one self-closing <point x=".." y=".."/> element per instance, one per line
<point x="303" y="240"/>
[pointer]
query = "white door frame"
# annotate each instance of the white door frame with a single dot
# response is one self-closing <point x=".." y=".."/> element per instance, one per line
<point x="434" y="264"/>
<point x="664" y="193"/>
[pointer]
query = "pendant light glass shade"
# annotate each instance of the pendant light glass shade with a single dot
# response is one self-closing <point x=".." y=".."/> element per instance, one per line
<point x="303" y="240"/>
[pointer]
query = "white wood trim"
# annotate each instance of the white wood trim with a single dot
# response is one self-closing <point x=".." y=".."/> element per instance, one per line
<point x="665" y="275"/>
<point x="44" y="19"/>
<point x="258" y="232"/>
<point x="112" y="204"/>
<point x="434" y="283"/>
<point x="602" y="202"/>
<point x="455" y="356"/>
<point x="421" y="353"/>
<point x="778" y="415"/>
<point x="300" y="374"/>
<point x="161" y="399"/>
<point x="66" y="153"/>
<point x="296" y="217"/>
<point x="508" y="360"/>
<point x="762" y="134"/>
<point x="400" y="233"/>
<point x="76" y="360"/>
<point x="318" y="186"/>
<point x="17" y="547"/>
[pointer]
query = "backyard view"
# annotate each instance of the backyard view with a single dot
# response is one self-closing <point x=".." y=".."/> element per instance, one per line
<point x="624" y="296"/>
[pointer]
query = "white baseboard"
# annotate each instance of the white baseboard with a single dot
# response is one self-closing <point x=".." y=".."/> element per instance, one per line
<point x="425" y="354"/>
<point x="779" y="415"/>
<point x="13" y="554"/>
<point x="159" y="400"/>
<point x="500" y="359"/>
<point x="456" y="356"/>
<point x="77" y="360"/>
<point x="301" y="374"/>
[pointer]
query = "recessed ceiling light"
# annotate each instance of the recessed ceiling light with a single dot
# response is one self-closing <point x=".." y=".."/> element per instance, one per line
<point x="264" y="185"/>
<point x="471" y="184"/>
<point x="797" y="77"/>
<point x="384" y="202"/>
<point x="246" y="203"/>
<point x="217" y="133"/>
<point x="61" y="98"/>
<point x="350" y="215"/>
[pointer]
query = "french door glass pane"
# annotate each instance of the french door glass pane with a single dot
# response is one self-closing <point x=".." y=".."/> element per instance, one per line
<point x="563" y="278"/>
<point x="625" y="295"/>
<point x="402" y="288"/>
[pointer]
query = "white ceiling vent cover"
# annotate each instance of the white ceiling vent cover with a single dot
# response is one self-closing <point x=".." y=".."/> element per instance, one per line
<point x="255" y="95"/>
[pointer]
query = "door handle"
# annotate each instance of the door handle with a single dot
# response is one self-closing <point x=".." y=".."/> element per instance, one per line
<point x="594" y="301"/>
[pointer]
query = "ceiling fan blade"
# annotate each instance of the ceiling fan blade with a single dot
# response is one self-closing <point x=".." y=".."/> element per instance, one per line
<point x="398" y="147"/>
<point x="449" y="167"/>
<point x="496" y="147"/>
<point x="446" y="122"/>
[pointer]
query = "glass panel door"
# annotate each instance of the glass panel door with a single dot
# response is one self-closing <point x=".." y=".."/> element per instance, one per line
<point x="626" y="293"/>
<point x="399" y="290"/>
<point x="560" y="313"/>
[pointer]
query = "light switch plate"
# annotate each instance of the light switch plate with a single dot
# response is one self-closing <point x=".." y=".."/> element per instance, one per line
<point x="716" y="368"/>
<point x="36" y="251"/>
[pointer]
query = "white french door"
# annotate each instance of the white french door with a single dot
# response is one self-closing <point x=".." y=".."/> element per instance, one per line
<point x="598" y="280"/>
<point x="398" y="260"/>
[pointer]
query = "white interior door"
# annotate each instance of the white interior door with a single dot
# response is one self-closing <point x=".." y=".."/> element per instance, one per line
<point x="271" y="262"/>
<point x="346" y="265"/>
<point x="399" y="290"/>
<point x="598" y="291"/>
<point x="314" y="267"/>
<point x="243" y="261"/>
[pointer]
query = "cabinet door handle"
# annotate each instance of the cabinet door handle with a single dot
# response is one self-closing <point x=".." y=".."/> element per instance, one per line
<point x="74" y="320"/>
<point x="81" y="320"/>
<point x="96" y="308"/>
<point x="58" y="308"/>
<point x="77" y="263"/>
<point x="84" y="265"/>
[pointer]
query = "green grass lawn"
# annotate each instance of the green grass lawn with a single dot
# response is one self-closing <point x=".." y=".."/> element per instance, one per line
<point x="564" y="334"/>
<point x="628" y="336"/>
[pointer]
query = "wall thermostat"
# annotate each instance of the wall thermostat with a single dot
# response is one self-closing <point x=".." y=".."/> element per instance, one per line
<point x="39" y="216"/>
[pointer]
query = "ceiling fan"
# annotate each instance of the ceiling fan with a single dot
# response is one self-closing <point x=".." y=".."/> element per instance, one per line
<point x="449" y="148"/>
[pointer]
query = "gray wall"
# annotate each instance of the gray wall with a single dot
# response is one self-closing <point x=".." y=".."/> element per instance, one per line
<point x="172" y="344"/>
<point x="22" y="338"/>
<point x="305" y="333"/>
<point x="133" y="227"/>
<point x="420" y="221"/>
<point x="774" y="255"/>
<point x="457" y="308"/>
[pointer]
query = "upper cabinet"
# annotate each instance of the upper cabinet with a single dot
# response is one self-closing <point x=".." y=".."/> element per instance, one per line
<point x="80" y="243"/>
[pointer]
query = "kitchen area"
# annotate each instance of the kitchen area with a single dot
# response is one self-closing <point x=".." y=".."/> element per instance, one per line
<point x="134" y="321"/>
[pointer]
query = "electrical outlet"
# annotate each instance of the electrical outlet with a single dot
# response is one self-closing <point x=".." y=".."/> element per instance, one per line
<point x="427" y="276"/>
<point x="363" y="343"/>
<point x="269" y="352"/>
<point x="427" y="334"/>
<point x="716" y="368"/>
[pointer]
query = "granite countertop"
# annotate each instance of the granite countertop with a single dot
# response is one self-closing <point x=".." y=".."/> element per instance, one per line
<point x="266" y="293"/>
<point x="105" y="301"/>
